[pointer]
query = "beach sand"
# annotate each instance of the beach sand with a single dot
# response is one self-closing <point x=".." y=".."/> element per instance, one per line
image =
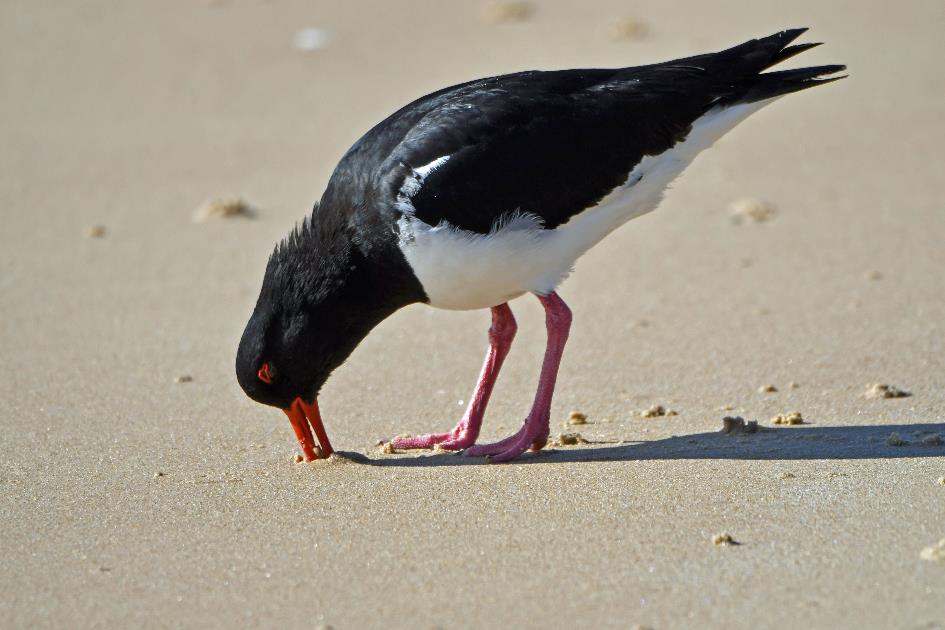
<point x="130" y="499"/>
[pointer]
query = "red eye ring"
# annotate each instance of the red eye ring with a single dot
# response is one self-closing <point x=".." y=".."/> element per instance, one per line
<point x="265" y="373"/>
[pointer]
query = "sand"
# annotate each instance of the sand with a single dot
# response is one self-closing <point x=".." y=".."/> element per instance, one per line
<point x="130" y="116"/>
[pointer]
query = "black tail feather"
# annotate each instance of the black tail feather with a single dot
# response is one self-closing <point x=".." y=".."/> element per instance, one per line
<point x="773" y="84"/>
<point x="743" y="67"/>
<point x="790" y="51"/>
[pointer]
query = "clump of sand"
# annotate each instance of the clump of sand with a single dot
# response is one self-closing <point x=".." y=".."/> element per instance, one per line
<point x="568" y="439"/>
<point x="940" y="481"/>
<point x="576" y="417"/>
<point x="736" y="424"/>
<point x="895" y="439"/>
<point x="387" y="448"/>
<point x="657" y="411"/>
<point x="335" y="459"/>
<point x="722" y="539"/>
<point x="767" y="389"/>
<point x="752" y="210"/>
<point x="222" y="208"/>
<point x="95" y="231"/>
<point x="498" y="11"/>
<point x="927" y="438"/>
<point x="788" y="418"/>
<point x="627" y="29"/>
<point x="934" y="553"/>
<point x="881" y="390"/>
<point x="183" y="378"/>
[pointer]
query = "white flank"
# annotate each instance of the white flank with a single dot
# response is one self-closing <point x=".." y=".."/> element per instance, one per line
<point x="463" y="270"/>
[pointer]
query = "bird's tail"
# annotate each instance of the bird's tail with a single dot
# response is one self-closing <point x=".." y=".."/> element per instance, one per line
<point x="742" y="67"/>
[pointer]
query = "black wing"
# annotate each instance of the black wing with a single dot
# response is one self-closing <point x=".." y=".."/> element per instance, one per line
<point x="555" y="143"/>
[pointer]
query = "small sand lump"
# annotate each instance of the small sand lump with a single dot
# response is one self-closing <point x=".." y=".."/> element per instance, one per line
<point x="222" y="208"/>
<point x="788" y="418"/>
<point x="626" y="30"/>
<point x="723" y="539"/>
<point x="736" y="424"/>
<point x="749" y="209"/>
<point x="576" y="417"/>
<point x="570" y="439"/>
<point x="657" y="411"/>
<point x="767" y="389"/>
<point x="496" y="12"/>
<point x="95" y="231"/>
<point x="895" y="439"/>
<point x="881" y="390"/>
<point x="940" y="481"/>
<point x="298" y="459"/>
<point x="931" y="439"/>
<point x="388" y="448"/>
<point x="183" y="378"/>
<point x="934" y="553"/>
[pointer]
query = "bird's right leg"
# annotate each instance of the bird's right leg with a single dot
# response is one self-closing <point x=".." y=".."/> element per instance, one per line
<point x="465" y="433"/>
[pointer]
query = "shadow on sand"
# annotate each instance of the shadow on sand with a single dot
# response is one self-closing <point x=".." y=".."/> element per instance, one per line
<point x="788" y="443"/>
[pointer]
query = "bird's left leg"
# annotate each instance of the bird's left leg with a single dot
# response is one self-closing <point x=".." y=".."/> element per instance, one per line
<point x="465" y="433"/>
<point x="534" y="433"/>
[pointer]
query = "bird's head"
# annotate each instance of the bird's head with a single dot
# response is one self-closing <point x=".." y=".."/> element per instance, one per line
<point x="321" y="295"/>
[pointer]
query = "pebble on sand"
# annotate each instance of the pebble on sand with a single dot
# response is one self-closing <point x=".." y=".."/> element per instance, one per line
<point x="95" y="231"/>
<point x="497" y="12"/>
<point x="222" y="208"/>
<point x="767" y="389"/>
<point x="940" y="481"/>
<point x="298" y="459"/>
<point x="882" y="390"/>
<point x="750" y="209"/>
<point x="184" y="378"/>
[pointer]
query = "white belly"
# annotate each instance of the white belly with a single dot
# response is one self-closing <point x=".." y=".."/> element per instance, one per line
<point x="463" y="270"/>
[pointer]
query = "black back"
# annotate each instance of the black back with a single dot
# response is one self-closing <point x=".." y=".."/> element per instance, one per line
<point x="552" y="143"/>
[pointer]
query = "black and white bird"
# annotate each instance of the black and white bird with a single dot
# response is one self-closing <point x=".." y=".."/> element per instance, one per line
<point x="479" y="193"/>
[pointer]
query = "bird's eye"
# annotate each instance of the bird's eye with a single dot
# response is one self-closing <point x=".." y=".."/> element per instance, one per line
<point x="266" y="373"/>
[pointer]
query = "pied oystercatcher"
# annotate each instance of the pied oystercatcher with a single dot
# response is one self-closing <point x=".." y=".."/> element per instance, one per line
<point x="478" y="193"/>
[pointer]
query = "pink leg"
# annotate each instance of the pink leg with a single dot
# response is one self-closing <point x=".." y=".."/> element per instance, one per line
<point x="500" y="340"/>
<point x="534" y="433"/>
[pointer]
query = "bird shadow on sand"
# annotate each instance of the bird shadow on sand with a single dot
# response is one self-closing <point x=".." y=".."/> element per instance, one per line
<point x="803" y="442"/>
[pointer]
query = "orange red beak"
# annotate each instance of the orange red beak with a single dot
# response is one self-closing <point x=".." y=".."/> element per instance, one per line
<point x="301" y="414"/>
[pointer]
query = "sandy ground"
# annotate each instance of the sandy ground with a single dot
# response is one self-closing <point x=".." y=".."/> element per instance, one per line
<point x="129" y="499"/>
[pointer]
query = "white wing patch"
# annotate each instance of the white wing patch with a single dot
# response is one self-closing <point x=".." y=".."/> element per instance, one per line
<point x="463" y="270"/>
<point x="414" y="181"/>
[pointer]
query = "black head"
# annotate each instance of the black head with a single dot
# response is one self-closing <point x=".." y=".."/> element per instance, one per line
<point x="323" y="291"/>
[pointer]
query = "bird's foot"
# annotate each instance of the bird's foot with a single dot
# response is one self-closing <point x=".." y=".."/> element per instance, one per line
<point x="456" y="440"/>
<point x="533" y="435"/>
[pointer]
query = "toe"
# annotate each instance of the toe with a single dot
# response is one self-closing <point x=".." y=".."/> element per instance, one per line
<point x="419" y="441"/>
